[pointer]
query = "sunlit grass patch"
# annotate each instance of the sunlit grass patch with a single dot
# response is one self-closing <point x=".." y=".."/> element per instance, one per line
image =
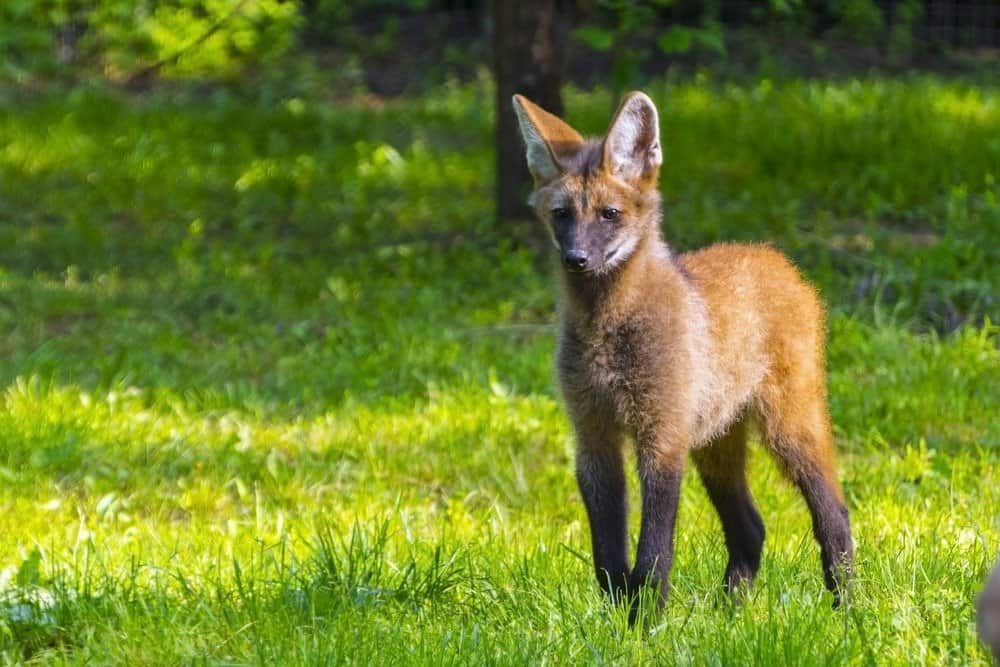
<point x="276" y="390"/>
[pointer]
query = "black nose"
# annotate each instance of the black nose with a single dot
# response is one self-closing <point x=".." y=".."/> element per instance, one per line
<point x="575" y="260"/>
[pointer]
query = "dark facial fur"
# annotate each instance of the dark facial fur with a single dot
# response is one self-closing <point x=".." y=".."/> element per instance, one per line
<point x="596" y="222"/>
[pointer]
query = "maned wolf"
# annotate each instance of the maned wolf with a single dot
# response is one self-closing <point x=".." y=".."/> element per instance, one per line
<point x="677" y="352"/>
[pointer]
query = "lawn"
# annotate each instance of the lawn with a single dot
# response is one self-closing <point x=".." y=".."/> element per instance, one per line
<point x="276" y="390"/>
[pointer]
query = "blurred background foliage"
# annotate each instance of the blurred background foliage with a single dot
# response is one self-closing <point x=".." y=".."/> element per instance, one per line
<point x="120" y="38"/>
<point x="392" y="46"/>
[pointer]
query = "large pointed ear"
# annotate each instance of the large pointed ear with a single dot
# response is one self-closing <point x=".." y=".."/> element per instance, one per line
<point x="546" y="138"/>
<point x="632" y="145"/>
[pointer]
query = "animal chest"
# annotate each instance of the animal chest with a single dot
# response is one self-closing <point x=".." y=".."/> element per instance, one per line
<point x="608" y="370"/>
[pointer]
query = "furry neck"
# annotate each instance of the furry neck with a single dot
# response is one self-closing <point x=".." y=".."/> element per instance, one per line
<point x="588" y="296"/>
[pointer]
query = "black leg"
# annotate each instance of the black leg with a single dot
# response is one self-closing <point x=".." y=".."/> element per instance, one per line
<point x="661" y="485"/>
<point x="832" y="530"/>
<point x="601" y="476"/>
<point x="797" y="430"/>
<point x="744" y="531"/>
<point x="722" y="467"/>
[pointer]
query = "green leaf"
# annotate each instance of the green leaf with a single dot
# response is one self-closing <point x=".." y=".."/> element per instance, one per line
<point x="595" y="37"/>
<point x="677" y="39"/>
<point x="29" y="572"/>
<point x="710" y="38"/>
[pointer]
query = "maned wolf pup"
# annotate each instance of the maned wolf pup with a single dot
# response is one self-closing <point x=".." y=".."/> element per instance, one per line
<point x="678" y="352"/>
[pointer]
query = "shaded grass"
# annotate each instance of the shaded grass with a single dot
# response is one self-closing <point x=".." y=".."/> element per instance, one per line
<point x="276" y="391"/>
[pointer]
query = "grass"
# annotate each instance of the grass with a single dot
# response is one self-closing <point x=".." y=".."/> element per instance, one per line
<point x="276" y="391"/>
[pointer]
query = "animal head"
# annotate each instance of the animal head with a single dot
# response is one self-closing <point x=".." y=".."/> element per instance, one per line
<point x="598" y="197"/>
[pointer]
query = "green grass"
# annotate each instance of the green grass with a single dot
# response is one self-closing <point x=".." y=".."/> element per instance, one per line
<point x="275" y="390"/>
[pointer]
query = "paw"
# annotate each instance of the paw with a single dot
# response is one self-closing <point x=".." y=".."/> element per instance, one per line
<point x="647" y="594"/>
<point x="615" y="585"/>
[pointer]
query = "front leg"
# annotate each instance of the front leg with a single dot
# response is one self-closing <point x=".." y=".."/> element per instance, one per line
<point x="660" y="475"/>
<point x="601" y="476"/>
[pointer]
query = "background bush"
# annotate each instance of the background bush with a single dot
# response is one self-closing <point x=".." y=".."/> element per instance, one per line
<point x="612" y="40"/>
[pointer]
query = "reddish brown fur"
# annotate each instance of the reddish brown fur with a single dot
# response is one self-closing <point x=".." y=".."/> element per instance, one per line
<point x="677" y="353"/>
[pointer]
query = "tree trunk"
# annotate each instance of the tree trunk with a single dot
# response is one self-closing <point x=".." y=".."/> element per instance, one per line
<point x="529" y="53"/>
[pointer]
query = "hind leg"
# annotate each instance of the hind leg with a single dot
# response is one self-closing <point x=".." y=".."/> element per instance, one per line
<point x="722" y="467"/>
<point x="797" y="430"/>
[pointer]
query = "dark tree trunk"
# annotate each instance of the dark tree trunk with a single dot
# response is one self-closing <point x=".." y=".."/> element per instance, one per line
<point x="529" y="54"/>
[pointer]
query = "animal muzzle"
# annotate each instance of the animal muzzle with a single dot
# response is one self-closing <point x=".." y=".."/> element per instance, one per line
<point x="576" y="259"/>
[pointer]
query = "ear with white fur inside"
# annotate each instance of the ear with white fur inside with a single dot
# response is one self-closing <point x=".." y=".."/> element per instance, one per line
<point x="632" y="145"/>
<point x="545" y="137"/>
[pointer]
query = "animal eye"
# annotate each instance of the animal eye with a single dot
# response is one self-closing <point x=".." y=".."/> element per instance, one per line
<point x="560" y="213"/>
<point x="610" y="213"/>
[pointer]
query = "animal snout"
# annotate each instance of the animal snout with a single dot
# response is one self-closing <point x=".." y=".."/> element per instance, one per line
<point x="575" y="259"/>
